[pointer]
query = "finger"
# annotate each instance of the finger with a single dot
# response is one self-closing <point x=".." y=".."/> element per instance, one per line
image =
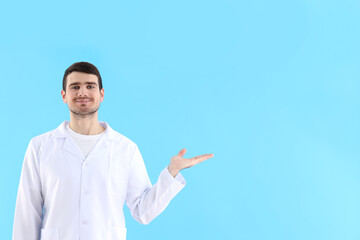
<point x="201" y="158"/>
<point x="182" y="152"/>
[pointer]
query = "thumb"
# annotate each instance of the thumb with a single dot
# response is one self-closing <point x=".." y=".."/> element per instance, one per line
<point x="182" y="152"/>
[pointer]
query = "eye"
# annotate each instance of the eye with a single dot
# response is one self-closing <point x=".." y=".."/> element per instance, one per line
<point x="74" y="87"/>
<point x="90" y="86"/>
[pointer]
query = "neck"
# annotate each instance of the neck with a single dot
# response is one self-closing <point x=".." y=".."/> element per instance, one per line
<point x="85" y="125"/>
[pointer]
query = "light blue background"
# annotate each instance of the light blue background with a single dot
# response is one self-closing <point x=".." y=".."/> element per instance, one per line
<point x="270" y="87"/>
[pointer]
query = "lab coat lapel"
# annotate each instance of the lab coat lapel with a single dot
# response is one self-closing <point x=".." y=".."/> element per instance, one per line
<point x="71" y="147"/>
<point x="101" y="147"/>
<point x="99" y="150"/>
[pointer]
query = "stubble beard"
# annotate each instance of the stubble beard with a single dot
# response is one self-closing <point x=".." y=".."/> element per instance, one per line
<point x="87" y="114"/>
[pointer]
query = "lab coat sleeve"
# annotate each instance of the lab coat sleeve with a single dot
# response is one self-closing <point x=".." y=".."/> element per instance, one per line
<point x="28" y="210"/>
<point x="144" y="200"/>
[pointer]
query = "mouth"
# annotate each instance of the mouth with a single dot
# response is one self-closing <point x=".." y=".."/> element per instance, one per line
<point x="83" y="101"/>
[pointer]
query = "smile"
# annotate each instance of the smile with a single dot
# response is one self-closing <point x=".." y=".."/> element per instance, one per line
<point x="83" y="101"/>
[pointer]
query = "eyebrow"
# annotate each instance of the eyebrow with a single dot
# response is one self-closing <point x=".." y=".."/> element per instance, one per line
<point x="78" y="83"/>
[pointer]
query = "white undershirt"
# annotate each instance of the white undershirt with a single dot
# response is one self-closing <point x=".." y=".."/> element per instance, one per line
<point x="85" y="142"/>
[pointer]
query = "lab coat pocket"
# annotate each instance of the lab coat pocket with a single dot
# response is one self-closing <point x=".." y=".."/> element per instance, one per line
<point x="116" y="233"/>
<point x="49" y="234"/>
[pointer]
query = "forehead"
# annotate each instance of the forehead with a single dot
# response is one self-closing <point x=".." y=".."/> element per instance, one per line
<point x="81" y="77"/>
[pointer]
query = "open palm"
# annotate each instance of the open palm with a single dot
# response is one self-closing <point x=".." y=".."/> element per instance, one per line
<point x="178" y="162"/>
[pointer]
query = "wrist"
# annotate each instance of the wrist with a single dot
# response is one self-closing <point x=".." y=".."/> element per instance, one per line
<point x="173" y="171"/>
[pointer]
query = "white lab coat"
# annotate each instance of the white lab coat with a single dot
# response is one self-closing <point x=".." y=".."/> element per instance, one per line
<point x="83" y="198"/>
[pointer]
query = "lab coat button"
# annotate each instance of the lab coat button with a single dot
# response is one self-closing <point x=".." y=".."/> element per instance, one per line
<point x="84" y="222"/>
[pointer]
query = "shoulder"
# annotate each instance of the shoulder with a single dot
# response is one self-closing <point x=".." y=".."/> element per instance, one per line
<point x="121" y="142"/>
<point x="50" y="137"/>
<point x="122" y="139"/>
<point x="40" y="139"/>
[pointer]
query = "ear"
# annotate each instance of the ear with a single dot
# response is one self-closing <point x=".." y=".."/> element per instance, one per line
<point x="102" y="94"/>
<point x="63" y="96"/>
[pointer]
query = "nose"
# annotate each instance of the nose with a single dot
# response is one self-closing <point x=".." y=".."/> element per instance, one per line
<point x="82" y="91"/>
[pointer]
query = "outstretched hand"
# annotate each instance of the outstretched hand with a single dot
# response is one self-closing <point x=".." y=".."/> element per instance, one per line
<point x="178" y="162"/>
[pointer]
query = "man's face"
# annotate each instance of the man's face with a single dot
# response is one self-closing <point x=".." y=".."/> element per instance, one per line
<point x="82" y="94"/>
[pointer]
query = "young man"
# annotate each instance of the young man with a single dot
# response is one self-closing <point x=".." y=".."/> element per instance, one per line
<point x="76" y="178"/>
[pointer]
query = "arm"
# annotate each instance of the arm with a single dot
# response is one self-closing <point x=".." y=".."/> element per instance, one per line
<point x="144" y="200"/>
<point x="28" y="209"/>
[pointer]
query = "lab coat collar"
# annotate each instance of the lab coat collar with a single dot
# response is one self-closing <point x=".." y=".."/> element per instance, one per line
<point x="70" y="146"/>
<point x="60" y="131"/>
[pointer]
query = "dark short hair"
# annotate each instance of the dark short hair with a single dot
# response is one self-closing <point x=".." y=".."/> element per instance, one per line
<point x="84" y="67"/>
